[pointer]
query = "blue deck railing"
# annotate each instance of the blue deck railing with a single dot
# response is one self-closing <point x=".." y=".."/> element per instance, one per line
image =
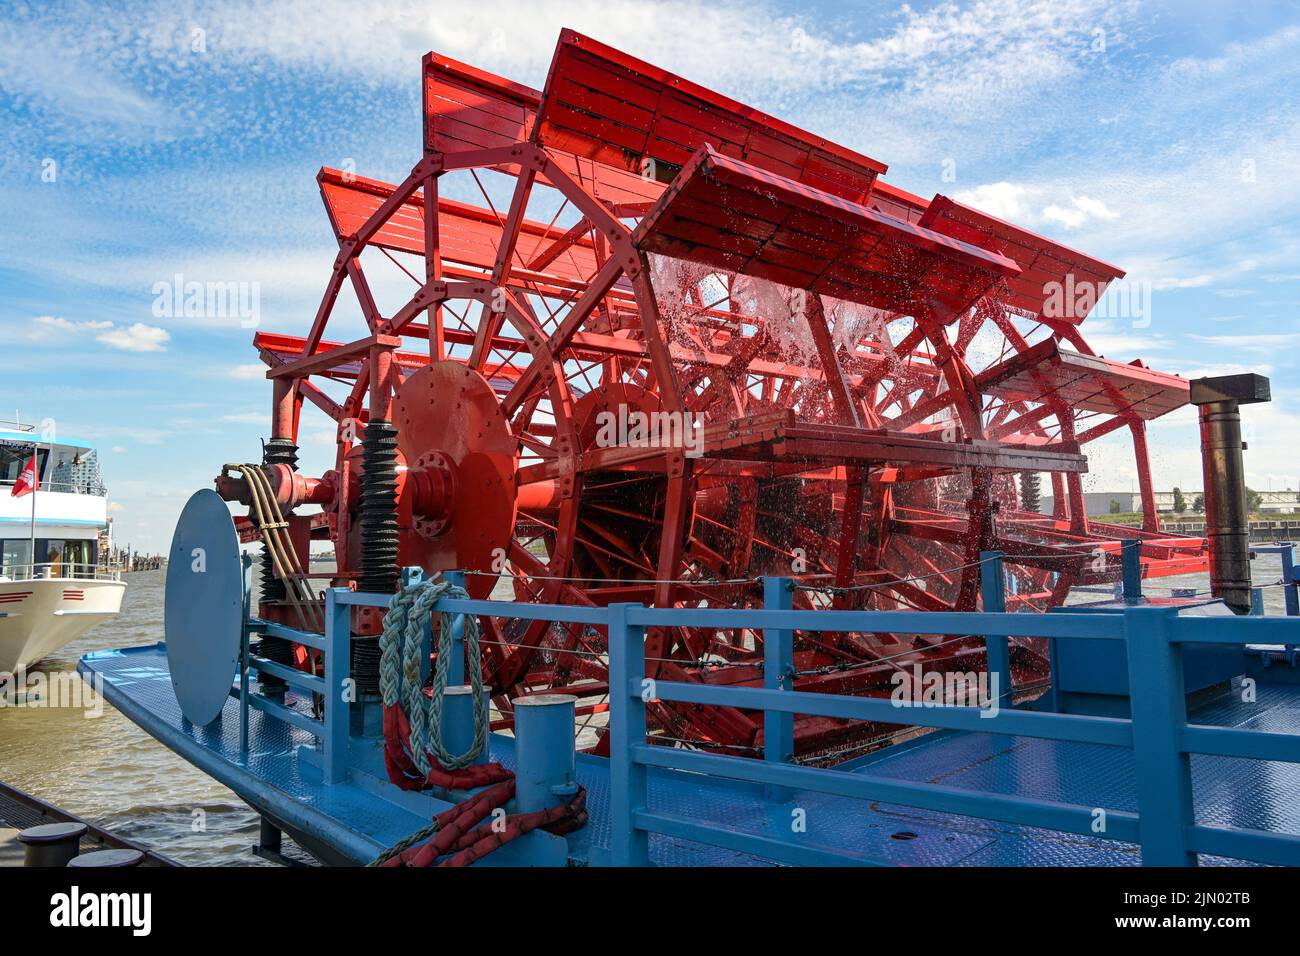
<point x="1157" y="732"/>
<point x="334" y="684"/>
<point x="1290" y="582"/>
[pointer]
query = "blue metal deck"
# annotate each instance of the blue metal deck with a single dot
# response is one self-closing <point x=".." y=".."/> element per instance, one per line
<point x="364" y="814"/>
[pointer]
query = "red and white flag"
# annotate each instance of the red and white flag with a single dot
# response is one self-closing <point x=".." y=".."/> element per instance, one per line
<point x="28" y="481"/>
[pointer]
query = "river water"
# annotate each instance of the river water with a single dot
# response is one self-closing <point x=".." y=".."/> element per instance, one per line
<point x="110" y="772"/>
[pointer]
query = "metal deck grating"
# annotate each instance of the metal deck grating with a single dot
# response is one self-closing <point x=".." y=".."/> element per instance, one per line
<point x="367" y="814"/>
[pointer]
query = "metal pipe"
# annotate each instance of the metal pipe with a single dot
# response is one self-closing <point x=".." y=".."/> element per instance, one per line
<point x="282" y="407"/>
<point x="1227" y="521"/>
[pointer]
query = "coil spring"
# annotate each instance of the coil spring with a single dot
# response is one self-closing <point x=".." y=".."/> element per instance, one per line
<point x="379" y="509"/>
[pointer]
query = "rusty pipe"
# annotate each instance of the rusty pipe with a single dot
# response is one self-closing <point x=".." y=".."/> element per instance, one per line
<point x="1227" y="521"/>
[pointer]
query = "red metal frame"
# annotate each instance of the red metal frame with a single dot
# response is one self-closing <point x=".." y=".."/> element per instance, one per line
<point x="871" y="368"/>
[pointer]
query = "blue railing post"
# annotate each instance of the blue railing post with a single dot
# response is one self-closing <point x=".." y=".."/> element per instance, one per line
<point x="338" y="686"/>
<point x="244" y="651"/>
<point x="1159" y="716"/>
<point x="1131" y="560"/>
<point x="628" y="692"/>
<point x="997" y="650"/>
<point x="1291" y="577"/>
<point x="778" y="674"/>
<point x="456" y="670"/>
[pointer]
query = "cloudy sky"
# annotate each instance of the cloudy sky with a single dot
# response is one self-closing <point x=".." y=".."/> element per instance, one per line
<point x="143" y="141"/>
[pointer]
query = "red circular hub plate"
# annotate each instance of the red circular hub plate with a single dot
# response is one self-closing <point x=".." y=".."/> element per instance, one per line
<point x="448" y="410"/>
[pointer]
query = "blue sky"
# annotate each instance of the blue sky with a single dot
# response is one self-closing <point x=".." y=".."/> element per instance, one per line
<point x="184" y="138"/>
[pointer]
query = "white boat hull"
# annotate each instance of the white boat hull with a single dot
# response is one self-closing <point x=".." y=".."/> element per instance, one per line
<point x="41" y="615"/>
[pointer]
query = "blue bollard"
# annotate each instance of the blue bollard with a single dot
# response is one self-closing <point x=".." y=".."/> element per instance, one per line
<point x="544" y="753"/>
<point x="458" y="720"/>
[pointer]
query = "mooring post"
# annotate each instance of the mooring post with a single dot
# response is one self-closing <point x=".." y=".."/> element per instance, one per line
<point x="778" y="674"/>
<point x="629" y="689"/>
<point x="1159" y="715"/>
<point x="993" y="591"/>
<point x="544" y="753"/>
<point x="456" y="669"/>
<point x="458" y="719"/>
<point x="1131" y="559"/>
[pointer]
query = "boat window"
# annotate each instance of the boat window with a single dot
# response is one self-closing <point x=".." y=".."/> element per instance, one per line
<point x="16" y="557"/>
<point x="78" y="559"/>
<point x="14" y="458"/>
<point x="75" y="470"/>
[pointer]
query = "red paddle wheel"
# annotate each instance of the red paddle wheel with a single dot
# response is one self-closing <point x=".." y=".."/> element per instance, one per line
<point x="833" y="381"/>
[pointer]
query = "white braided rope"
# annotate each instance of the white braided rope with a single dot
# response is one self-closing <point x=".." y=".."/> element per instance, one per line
<point x="407" y="619"/>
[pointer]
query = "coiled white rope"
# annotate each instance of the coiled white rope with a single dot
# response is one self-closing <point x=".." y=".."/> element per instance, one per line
<point x="408" y="617"/>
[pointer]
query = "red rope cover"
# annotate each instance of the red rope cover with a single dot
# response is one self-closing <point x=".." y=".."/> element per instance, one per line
<point x="459" y="839"/>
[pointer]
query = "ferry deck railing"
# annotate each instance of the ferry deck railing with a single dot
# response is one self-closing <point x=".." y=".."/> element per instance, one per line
<point x="1158" y="732"/>
<point x="59" y="570"/>
<point x="93" y="488"/>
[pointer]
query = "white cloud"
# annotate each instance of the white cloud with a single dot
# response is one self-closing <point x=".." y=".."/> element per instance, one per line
<point x="1003" y="42"/>
<point x="322" y="436"/>
<point x="119" y="450"/>
<point x="137" y="338"/>
<point x="1183" y="282"/>
<point x="1262" y="343"/>
<point x="248" y="370"/>
<point x="1125" y="345"/>
<point x="1080" y="210"/>
<point x="51" y="326"/>
<point x="59" y="71"/>
<point x="1003" y="200"/>
<point x="1023" y="205"/>
<point x="1235" y="58"/>
<point x="246" y="418"/>
<point x="1224" y="368"/>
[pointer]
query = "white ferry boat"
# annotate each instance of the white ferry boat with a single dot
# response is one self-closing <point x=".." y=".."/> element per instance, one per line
<point x="52" y="540"/>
